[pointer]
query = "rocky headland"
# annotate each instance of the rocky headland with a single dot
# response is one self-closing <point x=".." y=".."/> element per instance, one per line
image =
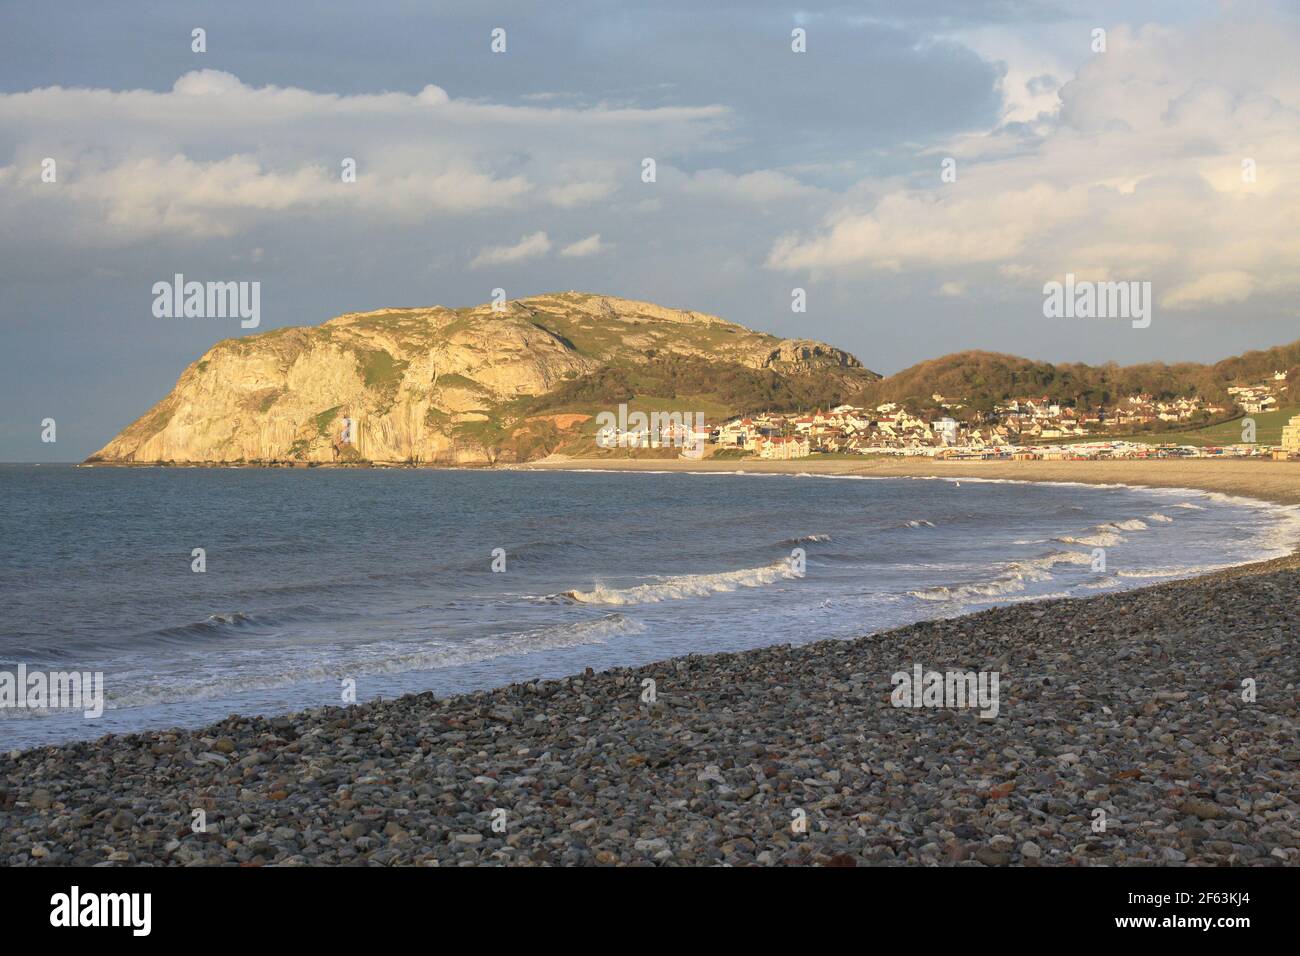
<point x="433" y="385"/>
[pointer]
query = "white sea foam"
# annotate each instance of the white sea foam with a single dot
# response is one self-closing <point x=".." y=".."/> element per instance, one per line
<point x="1017" y="576"/>
<point x="315" y="665"/>
<point x="1030" y="598"/>
<point x="1099" y="539"/>
<point x="1282" y="537"/>
<point x="1106" y="535"/>
<point x="1133" y="524"/>
<point x="805" y="539"/>
<point x="1101" y="583"/>
<point x="684" y="586"/>
<point x="1185" y="571"/>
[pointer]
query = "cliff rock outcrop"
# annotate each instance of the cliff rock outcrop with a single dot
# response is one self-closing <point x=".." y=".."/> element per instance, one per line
<point x="393" y="385"/>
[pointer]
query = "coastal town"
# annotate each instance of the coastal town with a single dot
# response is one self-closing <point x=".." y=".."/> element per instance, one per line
<point x="1027" y="427"/>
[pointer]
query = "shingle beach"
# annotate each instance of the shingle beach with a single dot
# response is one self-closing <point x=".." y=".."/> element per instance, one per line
<point x="1151" y="727"/>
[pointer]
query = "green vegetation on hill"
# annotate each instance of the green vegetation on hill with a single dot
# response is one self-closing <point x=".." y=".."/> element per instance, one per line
<point x="326" y="418"/>
<point x="692" y="384"/>
<point x="456" y="380"/>
<point x="982" y="379"/>
<point x="522" y="429"/>
<point x="480" y="372"/>
<point x="1268" y="431"/>
<point x="383" y="373"/>
<point x="731" y="388"/>
<point x="379" y="370"/>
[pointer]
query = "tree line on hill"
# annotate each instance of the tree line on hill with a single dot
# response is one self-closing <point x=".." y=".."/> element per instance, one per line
<point x="979" y="379"/>
<point x="983" y="379"/>
<point x="738" y="387"/>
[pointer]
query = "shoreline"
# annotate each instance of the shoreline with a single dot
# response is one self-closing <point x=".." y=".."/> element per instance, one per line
<point x="1265" y="479"/>
<point x="1279" y="488"/>
<point x="415" y="780"/>
<point x="1277" y="482"/>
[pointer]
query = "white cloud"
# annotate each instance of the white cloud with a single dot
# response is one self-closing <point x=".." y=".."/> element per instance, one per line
<point x="1217" y="287"/>
<point x="578" y="194"/>
<point x="583" y="247"/>
<point x="931" y="228"/>
<point x="529" y="247"/>
<point x="1138" y="176"/>
<point x="1032" y="56"/>
<point x="762" y="186"/>
<point x="215" y="157"/>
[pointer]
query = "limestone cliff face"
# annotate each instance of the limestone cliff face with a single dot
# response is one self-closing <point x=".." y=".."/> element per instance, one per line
<point x="393" y="385"/>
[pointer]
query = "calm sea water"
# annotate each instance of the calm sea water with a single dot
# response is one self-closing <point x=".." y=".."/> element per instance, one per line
<point x="385" y="577"/>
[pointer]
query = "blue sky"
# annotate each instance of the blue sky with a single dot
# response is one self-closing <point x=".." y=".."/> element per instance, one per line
<point x="522" y="170"/>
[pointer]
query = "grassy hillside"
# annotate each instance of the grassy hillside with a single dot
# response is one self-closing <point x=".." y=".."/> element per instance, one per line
<point x="505" y="381"/>
<point x="520" y="379"/>
<point x="983" y="379"/>
<point x="1268" y="431"/>
<point x="685" y="384"/>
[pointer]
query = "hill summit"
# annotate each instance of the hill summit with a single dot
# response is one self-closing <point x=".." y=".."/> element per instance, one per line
<point x="462" y="386"/>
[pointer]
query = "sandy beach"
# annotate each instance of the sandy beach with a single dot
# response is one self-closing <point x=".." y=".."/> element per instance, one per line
<point x="1147" y="727"/>
<point x="1276" y="481"/>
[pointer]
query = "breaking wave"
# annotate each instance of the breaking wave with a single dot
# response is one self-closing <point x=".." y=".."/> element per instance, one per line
<point x="1013" y="580"/>
<point x="803" y="539"/>
<point x="1107" y="534"/>
<point x="377" y="657"/>
<point x="1133" y="524"/>
<point x="1101" y="539"/>
<point x="684" y="586"/>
